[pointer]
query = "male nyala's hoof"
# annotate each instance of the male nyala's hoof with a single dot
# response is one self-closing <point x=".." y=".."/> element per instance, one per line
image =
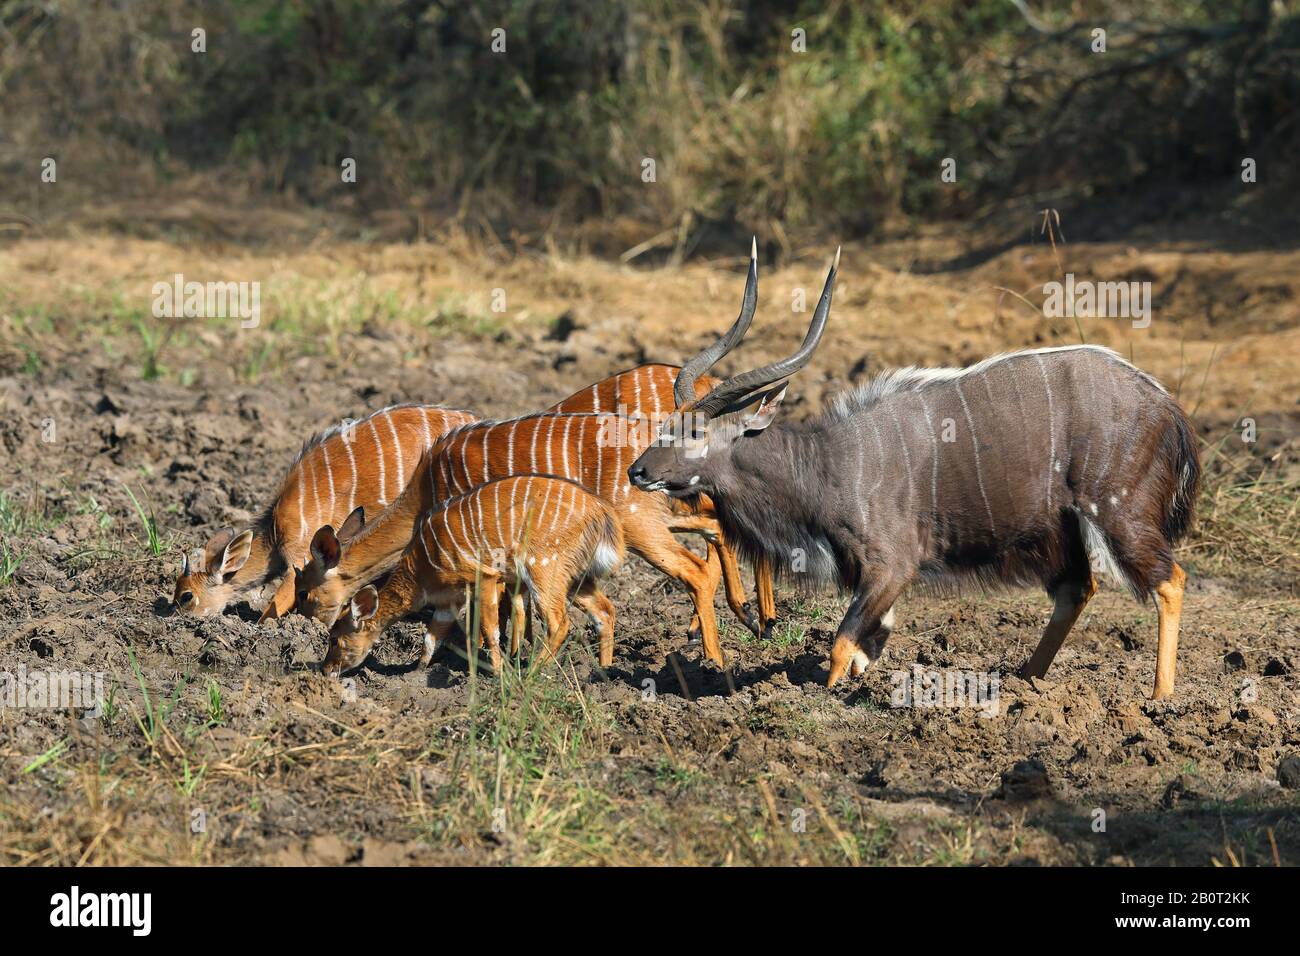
<point x="847" y="657"/>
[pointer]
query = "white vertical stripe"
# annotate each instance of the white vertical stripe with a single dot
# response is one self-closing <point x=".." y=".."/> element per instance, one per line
<point x="541" y="509"/>
<point x="329" y="473"/>
<point x="559" y="508"/>
<point x="568" y="423"/>
<point x="397" y="452"/>
<point x="446" y="525"/>
<point x="496" y="514"/>
<point x="302" y="494"/>
<point x="352" y="463"/>
<point x="1051" y="431"/>
<point x="514" y="490"/>
<point x="600" y="457"/>
<point x="582" y="438"/>
<point x="975" y="447"/>
<point x="480" y="538"/>
<point x="309" y="461"/>
<point x="464" y="462"/>
<point x="379" y="457"/>
<point x="426" y="527"/>
<point x="618" y="471"/>
<point x="907" y="455"/>
<point x="934" y="454"/>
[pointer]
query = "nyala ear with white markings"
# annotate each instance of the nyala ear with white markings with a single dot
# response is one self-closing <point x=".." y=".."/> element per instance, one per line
<point x="764" y="415"/>
<point x="353" y="525"/>
<point x="364" y="604"/>
<point x="236" y="553"/>
<point x="325" y="548"/>
<point x="214" y="552"/>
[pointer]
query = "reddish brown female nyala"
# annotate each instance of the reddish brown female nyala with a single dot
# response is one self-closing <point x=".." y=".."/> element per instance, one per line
<point x="593" y="449"/>
<point x="547" y="536"/>
<point x="363" y="464"/>
<point x="645" y="393"/>
<point x="1033" y="467"/>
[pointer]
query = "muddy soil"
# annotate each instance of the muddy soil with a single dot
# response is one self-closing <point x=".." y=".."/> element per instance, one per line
<point x="1079" y="768"/>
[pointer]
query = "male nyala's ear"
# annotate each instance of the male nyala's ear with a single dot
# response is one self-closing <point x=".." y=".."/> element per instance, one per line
<point x="354" y="523"/>
<point x="236" y="553"/>
<point x="763" y="416"/>
<point x="325" y="548"/>
<point x="365" y="603"/>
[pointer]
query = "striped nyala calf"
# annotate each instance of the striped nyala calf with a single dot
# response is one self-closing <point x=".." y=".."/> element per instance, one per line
<point x="363" y="464"/>
<point x="1036" y="467"/>
<point x="546" y="537"/>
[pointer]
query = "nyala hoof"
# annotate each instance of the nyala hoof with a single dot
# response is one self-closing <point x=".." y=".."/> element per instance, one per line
<point x="847" y="657"/>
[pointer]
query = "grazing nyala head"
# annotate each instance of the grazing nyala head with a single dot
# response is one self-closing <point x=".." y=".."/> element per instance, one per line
<point x="692" y="454"/>
<point x="319" y="590"/>
<point x="208" y="589"/>
<point x="353" y="633"/>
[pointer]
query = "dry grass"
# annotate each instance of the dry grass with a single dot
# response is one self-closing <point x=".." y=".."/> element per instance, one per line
<point x="522" y="775"/>
<point x="1247" y="528"/>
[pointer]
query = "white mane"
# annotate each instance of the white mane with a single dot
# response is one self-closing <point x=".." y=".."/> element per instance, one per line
<point x="911" y="377"/>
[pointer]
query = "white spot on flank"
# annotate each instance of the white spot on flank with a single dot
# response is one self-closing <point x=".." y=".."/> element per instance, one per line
<point x="695" y="479"/>
<point x="1093" y="507"/>
<point x="1113" y="500"/>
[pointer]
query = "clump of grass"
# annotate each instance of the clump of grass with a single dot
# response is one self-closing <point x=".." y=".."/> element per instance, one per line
<point x="1248" y="525"/>
<point x="454" y="313"/>
<point x="51" y="755"/>
<point x="10" y="560"/>
<point x="15" y="520"/>
<point x="216" y="710"/>
<point x="151" y="724"/>
<point x="149" y="522"/>
<point x="1246" y="528"/>
<point x="32" y="362"/>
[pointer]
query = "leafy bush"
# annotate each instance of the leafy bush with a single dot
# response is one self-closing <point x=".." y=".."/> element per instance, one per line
<point x="744" y="131"/>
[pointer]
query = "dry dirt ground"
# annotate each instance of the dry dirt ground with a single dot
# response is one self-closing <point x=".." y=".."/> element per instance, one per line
<point x="222" y="743"/>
